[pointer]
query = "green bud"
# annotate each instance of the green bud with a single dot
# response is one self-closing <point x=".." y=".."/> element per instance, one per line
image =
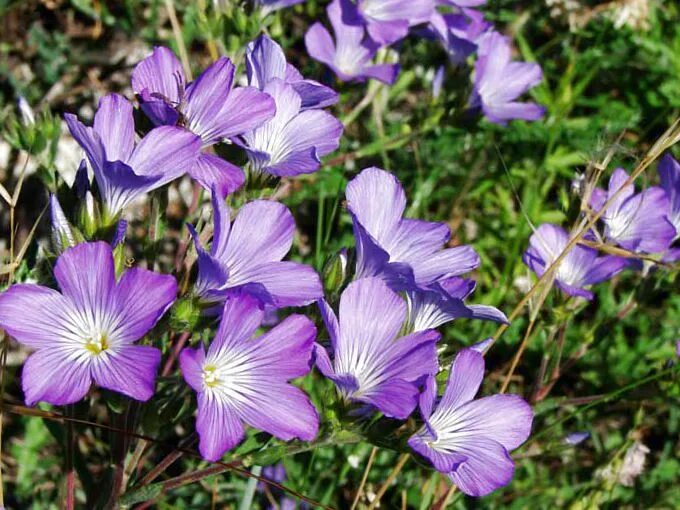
<point x="89" y="216"/>
<point x="335" y="271"/>
<point x="119" y="259"/>
<point x="185" y="314"/>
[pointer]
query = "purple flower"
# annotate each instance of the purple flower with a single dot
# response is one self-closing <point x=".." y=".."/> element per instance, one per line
<point x="269" y="6"/>
<point x="637" y="222"/>
<point x="371" y="363"/>
<point x="388" y="21"/>
<point x="209" y="107"/>
<point x="292" y="142"/>
<point x="459" y="32"/>
<point x="405" y="252"/>
<point x="468" y="439"/>
<point x="277" y="473"/>
<point x="669" y="172"/>
<point x="351" y="54"/>
<point x="247" y="255"/>
<point x="462" y="3"/>
<point x="499" y="82"/>
<point x="87" y="332"/>
<point x="580" y="267"/>
<point x="445" y="302"/>
<point x="265" y="60"/>
<point x="125" y="170"/>
<point x="245" y="379"/>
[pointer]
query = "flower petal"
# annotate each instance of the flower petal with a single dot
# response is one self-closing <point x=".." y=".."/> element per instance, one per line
<point x="213" y="172"/>
<point x="465" y="378"/>
<point x="130" y="370"/>
<point x="487" y="467"/>
<point x="52" y="375"/>
<point x="160" y="73"/>
<point x="115" y="126"/>
<point x="141" y="298"/>
<point x="218" y="425"/>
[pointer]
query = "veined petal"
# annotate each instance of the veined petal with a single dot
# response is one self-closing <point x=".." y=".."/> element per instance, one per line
<point x="285" y="283"/>
<point x="130" y="370"/>
<point x="241" y="316"/>
<point x="379" y="217"/>
<point x="166" y="152"/>
<point x="264" y="60"/>
<point x="160" y="73"/>
<point x="320" y="45"/>
<point x="86" y="276"/>
<point x="191" y="363"/>
<point x="504" y="418"/>
<point x="37" y="316"/>
<point x="206" y="96"/>
<point x="141" y="297"/>
<point x="56" y="376"/>
<point x="465" y="378"/>
<point x="487" y="467"/>
<point x="245" y="109"/>
<point x="213" y="172"/>
<point x="218" y="425"/>
<point x="115" y="126"/>
<point x="262" y="232"/>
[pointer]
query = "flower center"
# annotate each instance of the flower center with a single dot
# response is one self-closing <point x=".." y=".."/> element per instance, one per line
<point x="210" y="378"/>
<point x="97" y="344"/>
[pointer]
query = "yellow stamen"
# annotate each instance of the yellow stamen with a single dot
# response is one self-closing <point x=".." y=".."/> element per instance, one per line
<point x="97" y="344"/>
<point x="209" y="376"/>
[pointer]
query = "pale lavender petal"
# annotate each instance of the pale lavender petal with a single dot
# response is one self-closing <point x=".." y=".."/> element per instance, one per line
<point x="140" y="298"/>
<point x="379" y="217"/>
<point x="69" y="382"/>
<point x="331" y="322"/>
<point x="221" y="225"/>
<point x="85" y="274"/>
<point x="206" y="96"/>
<point x="314" y="94"/>
<point x="161" y="74"/>
<point x="323" y="362"/>
<point x="282" y="410"/>
<point x="130" y="370"/>
<point x="372" y="260"/>
<point x="465" y="378"/>
<point x="504" y="418"/>
<point x="191" y="363"/>
<point x="166" y="152"/>
<point x="245" y="109"/>
<point x="604" y="269"/>
<point x="264" y="60"/>
<point x="428" y="397"/>
<point x="90" y="142"/>
<point x="388" y="32"/>
<point x="115" y="126"/>
<point x="446" y="263"/>
<point x="641" y="223"/>
<point x="395" y="398"/>
<point x="262" y="232"/>
<point x="486" y="468"/>
<point x="320" y="45"/>
<point x="386" y="73"/>
<point x="669" y="173"/>
<point x="213" y="172"/>
<point x="285" y="283"/>
<point x="241" y="316"/>
<point x="34" y="315"/>
<point x="443" y="461"/>
<point x="218" y="425"/>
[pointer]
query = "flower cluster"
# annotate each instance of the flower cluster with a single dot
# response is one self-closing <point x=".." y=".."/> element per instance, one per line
<point x="644" y="223"/>
<point x="105" y="323"/>
<point x="362" y="27"/>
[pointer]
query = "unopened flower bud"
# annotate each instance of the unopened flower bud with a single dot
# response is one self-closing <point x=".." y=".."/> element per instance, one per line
<point x="335" y="271"/>
<point x="62" y="233"/>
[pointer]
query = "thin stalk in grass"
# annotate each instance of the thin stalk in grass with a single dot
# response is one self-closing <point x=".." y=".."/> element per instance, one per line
<point x="70" y="483"/>
<point x="249" y="492"/>
<point x="177" y="33"/>
<point x="357" y="497"/>
<point x="403" y="458"/>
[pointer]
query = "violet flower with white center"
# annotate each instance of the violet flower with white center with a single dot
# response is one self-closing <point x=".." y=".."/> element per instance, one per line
<point x="242" y="379"/>
<point x="351" y="54"/>
<point x="468" y="439"/>
<point x="292" y="142"/>
<point x="265" y="60"/>
<point x="430" y="309"/>
<point x="388" y="21"/>
<point x="371" y="363"/>
<point x="87" y="331"/>
<point x="499" y="82"/>
<point x="637" y="222"/>
<point x="580" y="267"/>
<point x="125" y="170"/>
<point x="208" y="107"/>
<point x="669" y="172"/>
<point x="407" y="253"/>
<point x="246" y="255"/>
